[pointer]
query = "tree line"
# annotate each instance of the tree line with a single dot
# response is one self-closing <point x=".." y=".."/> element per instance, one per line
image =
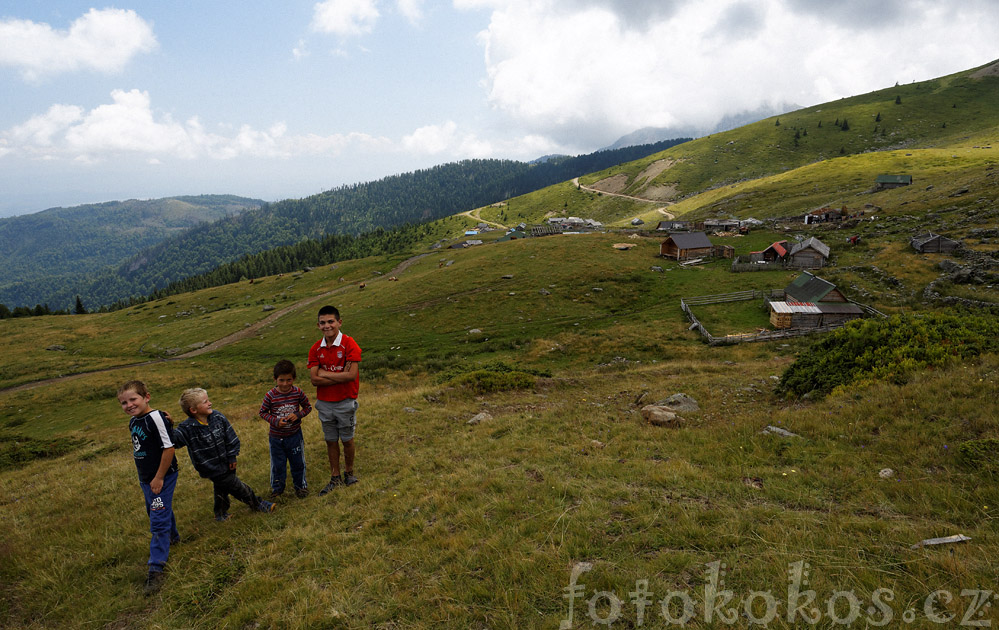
<point x="336" y="220"/>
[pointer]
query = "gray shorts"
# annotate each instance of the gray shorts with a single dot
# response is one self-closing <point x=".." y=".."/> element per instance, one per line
<point x="338" y="419"/>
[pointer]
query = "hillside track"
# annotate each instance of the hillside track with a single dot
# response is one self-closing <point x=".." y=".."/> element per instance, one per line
<point x="663" y="211"/>
<point x="239" y="335"/>
<point x="474" y="215"/>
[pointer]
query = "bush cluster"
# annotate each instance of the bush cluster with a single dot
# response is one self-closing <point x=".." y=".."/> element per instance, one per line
<point x="889" y="349"/>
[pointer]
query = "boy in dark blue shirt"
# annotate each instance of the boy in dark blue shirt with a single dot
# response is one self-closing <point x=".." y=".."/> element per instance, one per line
<point x="153" y="450"/>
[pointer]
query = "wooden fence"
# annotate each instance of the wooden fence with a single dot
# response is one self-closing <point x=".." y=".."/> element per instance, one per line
<point x="766" y="335"/>
<point x="740" y="264"/>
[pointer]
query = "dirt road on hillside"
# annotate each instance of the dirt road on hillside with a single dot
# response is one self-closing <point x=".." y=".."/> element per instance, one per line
<point x="239" y="335"/>
<point x="662" y="211"/>
<point x="474" y="215"/>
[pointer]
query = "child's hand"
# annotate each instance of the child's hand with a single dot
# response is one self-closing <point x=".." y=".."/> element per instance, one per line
<point x="232" y="465"/>
<point x="156" y="485"/>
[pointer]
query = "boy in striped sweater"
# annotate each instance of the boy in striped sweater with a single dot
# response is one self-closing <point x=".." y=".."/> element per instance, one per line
<point x="283" y="408"/>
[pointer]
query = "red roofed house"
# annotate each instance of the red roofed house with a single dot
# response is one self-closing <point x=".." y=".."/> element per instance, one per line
<point x="775" y="253"/>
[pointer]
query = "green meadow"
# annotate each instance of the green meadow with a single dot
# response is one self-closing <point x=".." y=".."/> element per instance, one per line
<point x="458" y="525"/>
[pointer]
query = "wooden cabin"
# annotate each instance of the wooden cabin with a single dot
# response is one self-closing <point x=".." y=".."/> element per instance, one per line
<point x="809" y="302"/>
<point x="721" y="225"/>
<point x="811" y="288"/>
<point x="892" y="181"/>
<point x="685" y="246"/>
<point x="810" y="254"/>
<point x="673" y="226"/>
<point x="930" y="243"/>
<point x="792" y="314"/>
<point x="777" y="252"/>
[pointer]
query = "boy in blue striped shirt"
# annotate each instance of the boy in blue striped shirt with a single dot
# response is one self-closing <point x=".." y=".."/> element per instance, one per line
<point x="283" y="408"/>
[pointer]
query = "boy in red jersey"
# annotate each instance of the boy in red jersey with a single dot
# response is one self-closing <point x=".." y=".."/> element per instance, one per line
<point x="334" y="368"/>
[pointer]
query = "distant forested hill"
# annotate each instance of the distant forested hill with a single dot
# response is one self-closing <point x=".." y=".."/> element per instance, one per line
<point x="49" y="253"/>
<point x="354" y="209"/>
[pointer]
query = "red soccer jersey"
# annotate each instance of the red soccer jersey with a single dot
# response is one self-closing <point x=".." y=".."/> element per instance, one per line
<point x="333" y="358"/>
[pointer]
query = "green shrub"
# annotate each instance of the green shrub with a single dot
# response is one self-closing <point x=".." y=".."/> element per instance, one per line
<point x="486" y="382"/>
<point x="17" y="451"/>
<point x="888" y="349"/>
<point x="457" y="370"/>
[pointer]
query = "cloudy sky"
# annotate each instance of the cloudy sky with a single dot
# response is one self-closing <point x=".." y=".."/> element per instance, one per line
<point x="286" y="99"/>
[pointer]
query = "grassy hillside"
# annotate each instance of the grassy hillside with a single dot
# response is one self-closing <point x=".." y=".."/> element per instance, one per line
<point x="914" y="136"/>
<point x="937" y="113"/>
<point x="456" y="525"/>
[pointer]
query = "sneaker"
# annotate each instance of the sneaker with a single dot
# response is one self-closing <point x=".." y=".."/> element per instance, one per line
<point x="334" y="483"/>
<point x="266" y="506"/>
<point x="301" y="493"/>
<point x="276" y="494"/>
<point x="349" y="479"/>
<point x="222" y="517"/>
<point x="153" y="582"/>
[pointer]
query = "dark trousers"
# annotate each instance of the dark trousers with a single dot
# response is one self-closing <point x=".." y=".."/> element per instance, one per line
<point x="229" y="484"/>
<point x="289" y="450"/>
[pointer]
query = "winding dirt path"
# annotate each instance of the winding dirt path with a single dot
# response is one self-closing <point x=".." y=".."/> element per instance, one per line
<point x="224" y="341"/>
<point x="474" y="215"/>
<point x="663" y="211"/>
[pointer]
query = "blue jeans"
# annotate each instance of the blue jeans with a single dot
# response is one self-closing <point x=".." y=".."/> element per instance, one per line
<point x="162" y="524"/>
<point x="291" y="450"/>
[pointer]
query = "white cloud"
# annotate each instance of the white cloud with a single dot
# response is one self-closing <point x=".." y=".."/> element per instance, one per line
<point x="128" y="126"/>
<point x="300" y="51"/>
<point x="345" y="17"/>
<point x="412" y="10"/>
<point x="448" y="141"/>
<point x="587" y="71"/>
<point x="102" y="40"/>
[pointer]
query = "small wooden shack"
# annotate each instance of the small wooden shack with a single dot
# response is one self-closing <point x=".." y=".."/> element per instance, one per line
<point x="810" y="301"/>
<point x="810" y="288"/>
<point x="825" y="214"/>
<point x="810" y="254"/>
<point x="892" y="181"/>
<point x="721" y="225"/>
<point x="791" y="314"/>
<point x="685" y="246"/>
<point x="723" y="251"/>
<point x="930" y="243"/>
<point x="795" y="315"/>
<point x="777" y="252"/>
<point x="673" y="226"/>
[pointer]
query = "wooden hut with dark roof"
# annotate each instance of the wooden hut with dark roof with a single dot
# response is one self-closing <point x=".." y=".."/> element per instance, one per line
<point x="685" y="246"/>
<point x="810" y="302"/>
<point x="930" y="243"/>
<point x="810" y="254"/>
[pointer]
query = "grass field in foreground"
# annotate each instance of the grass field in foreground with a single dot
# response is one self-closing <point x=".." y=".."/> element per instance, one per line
<point x="457" y="526"/>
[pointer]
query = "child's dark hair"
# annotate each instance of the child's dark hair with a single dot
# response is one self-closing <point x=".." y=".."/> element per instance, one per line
<point x="133" y="386"/>
<point x="284" y="366"/>
<point x="329" y="310"/>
